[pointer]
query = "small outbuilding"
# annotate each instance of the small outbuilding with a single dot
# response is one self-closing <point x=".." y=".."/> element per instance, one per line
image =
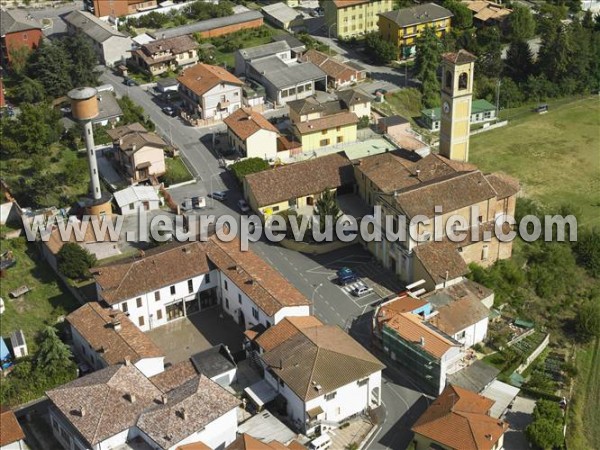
<point x="216" y="363"/>
<point x="283" y="16"/>
<point x="19" y="345"/>
<point x="134" y="198"/>
<point x="393" y="124"/>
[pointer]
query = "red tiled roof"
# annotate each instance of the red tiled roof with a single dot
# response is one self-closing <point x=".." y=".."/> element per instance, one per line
<point x="244" y="123"/>
<point x="459" y="419"/>
<point x="284" y="330"/>
<point x="335" y="120"/>
<point x="10" y="430"/>
<point x="202" y="77"/>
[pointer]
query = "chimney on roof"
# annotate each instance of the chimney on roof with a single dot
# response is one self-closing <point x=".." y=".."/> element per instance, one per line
<point x="116" y="325"/>
<point x="134" y="147"/>
<point x="81" y="412"/>
<point x="142" y="253"/>
<point x="130" y="397"/>
<point x="422" y="341"/>
<point x="488" y="437"/>
<point x="163" y="399"/>
<point x="183" y="414"/>
<point x="418" y="172"/>
<point x="187" y="250"/>
<point x="127" y="362"/>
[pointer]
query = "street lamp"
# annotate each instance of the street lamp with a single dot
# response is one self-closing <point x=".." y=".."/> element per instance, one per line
<point x="329" y="36"/>
<point x="312" y="298"/>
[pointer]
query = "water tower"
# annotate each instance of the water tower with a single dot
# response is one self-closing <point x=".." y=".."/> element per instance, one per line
<point x="84" y="107"/>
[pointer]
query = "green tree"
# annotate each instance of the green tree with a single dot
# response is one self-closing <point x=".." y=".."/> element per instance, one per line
<point x="555" y="54"/>
<point x="587" y="250"/>
<point x="588" y="319"/>
<point x="29" y="91"/>
<point x="427" y="61"/>
<point x="463" y="17"/>
<point x="51" y="66"/>
<point x="83" y="60"/>
<point x="134" y="113"/>
<point x="327" y="206"/>
<point x="521" y="24"/>
<point x="383" y="51"/>
<point x="519" y="60"/>
<point x="489" y="52"/>
<point x="52" y="355"/>
<point x="74" y="261"/>
<point x="247" y="166"/>
<point x="545" y="434"/>
<point x="18" y="59"/>
<point x="34" y="130"/>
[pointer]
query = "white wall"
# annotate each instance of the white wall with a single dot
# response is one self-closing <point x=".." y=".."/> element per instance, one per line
<point x="292" y="311"/>
<point x="151" y="366"/>
<point x="262" y="144"/>
<point x="474" y="334"/>
<point x="90" y="356"/>
<point x="133" y="208"/>
<point x="115" y="49"/>
<point x="150" y="306"/>
<point x="211" y="99"/>
<point x="225" y="379"/>
<point x="235" y="300"/>
<point x="218" y="434"/>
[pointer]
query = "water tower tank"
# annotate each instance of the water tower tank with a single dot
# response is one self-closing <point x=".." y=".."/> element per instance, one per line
<point x="84" y="103"/>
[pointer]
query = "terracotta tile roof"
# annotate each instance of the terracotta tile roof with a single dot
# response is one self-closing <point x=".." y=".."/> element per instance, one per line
<point x="485" y="10"/>
<point x="55" y="241"/>
<point x="158" y="268"/>
<point x="118" y="132"/>
<point x="174" y="45"/>
<point x="174" y="376"/>
<point x="335" y="120"/>
<point x="194" y="446"/>
<point x="95" y="325"/>
<point x="460" y="57"/>
<point x="287" y="328"/>
<point x="504" y="185"/>
<point x="300" y="179"/>
<point x="466" y="288"/>
<point x="202" y="77"/>
<point x="411" y="328"/>
<point x="134" y="136"/>
<point x="459" y="419"/>
<point x="246" y="442"/>
<point x="441" y="257"/>
<point x="334" y="69"/>
<point x="353" y="97"/>
<point x="244" y="123"/>
<point x="403" y="304"/>
<point x="189" y="408"/>
<point x="322" y="356"/>
<point x="255" y="277"/>
<point x="459" y="314"/>
<point x="10" y="431"/>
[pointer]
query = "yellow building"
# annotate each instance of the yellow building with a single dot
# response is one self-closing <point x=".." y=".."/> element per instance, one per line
<point x="348" y="18"/>
<point x="457" y="94"/>
<point x="404" y="26"/>
<point x="330" y="130"/>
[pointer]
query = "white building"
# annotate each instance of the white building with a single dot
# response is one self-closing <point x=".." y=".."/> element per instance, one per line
<point x="18" y="343"/>
<point x="111" y="46"/>
<point x="210" y="92"/>
<point x="251" y="134"/>
<point x="118" y="405"/>
<point x="324" y="375"/>
<point x="134" y="198"/>
<point x="176" y="280"/>
<point x="103" y="337"/>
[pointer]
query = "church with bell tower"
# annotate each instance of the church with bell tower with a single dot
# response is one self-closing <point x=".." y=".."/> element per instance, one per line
<point x="457" y="94"/>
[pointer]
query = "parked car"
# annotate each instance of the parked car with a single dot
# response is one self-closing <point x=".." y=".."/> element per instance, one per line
<point x="346" y="276"/>
<point x="361" y="290"/>
<point x="243" y="206"/>
<point x="219" y="195"/>
<point x="169" y="111"/>
<point x="130" y="82"/>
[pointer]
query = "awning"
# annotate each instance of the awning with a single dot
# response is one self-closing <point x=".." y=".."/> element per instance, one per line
<point x="261" y="393"/>
<point x="315" y="412"/>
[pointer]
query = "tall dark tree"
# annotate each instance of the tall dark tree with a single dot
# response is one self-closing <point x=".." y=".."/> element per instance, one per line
<point x="489" y="52"/>
<point x="53" y="355"/>
<point x="519" y="60"/>
<point x="427" y="61"/>
<point x="83" y="60"/>
<point x="555" y="54"/>
<point x="29" y="91"/>
<point x="50" y="65"/>
<point x="463" y="17"/>
<point x="521" y="24"/>
<point x="74" y="261"/>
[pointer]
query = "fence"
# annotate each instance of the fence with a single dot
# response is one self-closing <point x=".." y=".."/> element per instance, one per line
<point x="532" y="357"/>
<point x="520" y="337"/>
<point x="490" y="127"/>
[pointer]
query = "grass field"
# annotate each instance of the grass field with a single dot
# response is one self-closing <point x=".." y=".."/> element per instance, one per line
<point x="43" y="305"/>
<point x="554" y="155"/>
<point x="584" y="419"/>
<point x="177" y="172"/>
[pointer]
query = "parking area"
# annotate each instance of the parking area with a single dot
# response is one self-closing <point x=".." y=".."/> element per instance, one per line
<point x="518" y="417"/>
<point x="371" y="274"/>
<point x="185" y="337"/>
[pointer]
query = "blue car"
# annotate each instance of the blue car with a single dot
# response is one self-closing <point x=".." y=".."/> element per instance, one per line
<point x="346" y="276"/>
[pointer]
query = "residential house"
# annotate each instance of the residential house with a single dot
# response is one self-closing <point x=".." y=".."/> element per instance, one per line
<point x="348" y="18"/>
<point x="339" y="74"/>
<point x="407" y="185"/>
<point x="104" y="337"/>
<point x="284" y="17"/>
<point x="110" y="9"/>
<point x="464" y="412"/>
<point x="219" y="26"/>
<point x="119" y="405"/>
<point x="176" y="280"/>
<point x="169" y="54"/>
<point x="282" y="75"/>
<point x="210" y="92"/>
<point x="403" y="27"/>
<point x="297" y="186"/>
<point x="481" y="111"/>
<point x="486" y="13"/>
<point x="139" y="153"/>
<point x="11" y="433"/>
<point x="250" y="134"/>
<point x="135" y="198"/>
<point x="18" y="29"/>
<point x="111" y="46"/>
<point x="323" y="374"/>
<point x="318" y="122"/>
<point x="109" y="110"/>
<point x="246" y="442"/>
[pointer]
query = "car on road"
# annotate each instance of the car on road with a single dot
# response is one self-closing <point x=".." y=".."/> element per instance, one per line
<point x="346" y="276"/>
<point x="243" y="205"/>
<point x="219" y="195"/>
<point x="130" y="82"/>
<point x="169" y="111"/>
<point x="361" y="290"/>
<point x="380" y="91"/>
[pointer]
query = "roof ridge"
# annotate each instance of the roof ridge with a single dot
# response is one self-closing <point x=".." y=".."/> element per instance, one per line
<point x="312" y="370"/>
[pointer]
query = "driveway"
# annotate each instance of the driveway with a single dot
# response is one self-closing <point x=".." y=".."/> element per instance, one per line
<point x="518" y="418"/>
<point x="185" y="337"/>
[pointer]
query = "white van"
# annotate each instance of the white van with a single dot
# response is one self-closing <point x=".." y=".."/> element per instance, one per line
<point x="323" y="442"/>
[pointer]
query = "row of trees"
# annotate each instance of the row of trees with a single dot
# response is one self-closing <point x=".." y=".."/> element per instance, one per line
<point x="546" y="430"/>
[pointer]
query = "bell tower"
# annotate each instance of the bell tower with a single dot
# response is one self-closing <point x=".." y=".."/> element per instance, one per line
<point x="457" y="93"/>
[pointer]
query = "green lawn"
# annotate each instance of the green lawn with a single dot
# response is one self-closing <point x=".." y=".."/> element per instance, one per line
<point x="43" y="305"/>
<point x="583" y="431"/>
<point x="554" y="155"/>
<point x="177" y="172"/>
